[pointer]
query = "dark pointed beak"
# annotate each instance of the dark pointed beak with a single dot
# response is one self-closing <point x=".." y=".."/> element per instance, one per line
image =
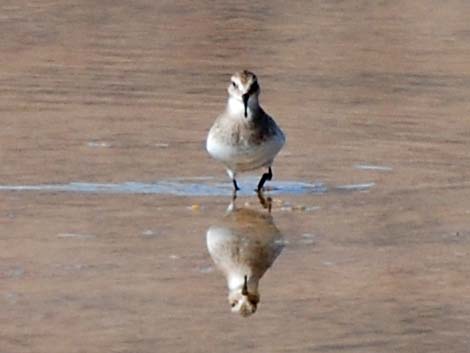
<point x="253" y="89"/>
<point x="245" y="103"/>
<point x="245" y="286"/>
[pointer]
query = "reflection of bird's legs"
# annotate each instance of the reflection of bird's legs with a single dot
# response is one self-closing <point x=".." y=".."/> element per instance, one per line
<point x="234" y="195"/>
<point x="232" y="206"/>
<point x="266" y="176"/>
<point x="265" y="202"/>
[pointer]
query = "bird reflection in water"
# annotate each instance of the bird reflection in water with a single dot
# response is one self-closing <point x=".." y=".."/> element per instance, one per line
<point x="243" y="245"/>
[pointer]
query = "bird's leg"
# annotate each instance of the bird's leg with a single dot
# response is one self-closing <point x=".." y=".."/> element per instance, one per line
<point x="232" y="174"/>
<point x="266" y="176"/>
<point x="235" y="189"/>
<point x="235" y="185"/>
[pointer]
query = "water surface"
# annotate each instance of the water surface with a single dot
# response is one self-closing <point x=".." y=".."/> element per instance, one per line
<point x="120" y="95"/>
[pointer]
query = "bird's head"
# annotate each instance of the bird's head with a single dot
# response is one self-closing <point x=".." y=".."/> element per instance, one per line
<point x="244" y="88"/>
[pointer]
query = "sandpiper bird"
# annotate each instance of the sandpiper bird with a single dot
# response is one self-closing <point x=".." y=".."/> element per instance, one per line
<point x="244" y="245"/>
<point x="244" y="137"/>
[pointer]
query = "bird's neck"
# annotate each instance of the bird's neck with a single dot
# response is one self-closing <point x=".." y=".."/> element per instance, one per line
<point x="236" y="107"/>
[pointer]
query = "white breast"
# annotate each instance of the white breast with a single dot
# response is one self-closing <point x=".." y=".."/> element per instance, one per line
<point x="245" y="156"/>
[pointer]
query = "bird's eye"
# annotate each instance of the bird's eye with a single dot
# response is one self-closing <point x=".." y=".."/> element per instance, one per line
<point x="234" y="303"/>
<point x="234" y="84"/>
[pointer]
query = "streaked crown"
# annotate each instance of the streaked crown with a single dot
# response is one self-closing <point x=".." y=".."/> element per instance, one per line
<point x="243" y="82"/>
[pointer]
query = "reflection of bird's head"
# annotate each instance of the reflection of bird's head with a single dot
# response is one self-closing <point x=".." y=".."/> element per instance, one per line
<point x="244" y="304"/>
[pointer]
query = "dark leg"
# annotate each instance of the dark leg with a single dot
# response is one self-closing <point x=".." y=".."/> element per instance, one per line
<point x="266" y="176"/>
<point x="235" y="185"/>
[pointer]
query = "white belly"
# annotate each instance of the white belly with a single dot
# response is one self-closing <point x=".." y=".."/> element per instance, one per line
<point x="243" y="156"/>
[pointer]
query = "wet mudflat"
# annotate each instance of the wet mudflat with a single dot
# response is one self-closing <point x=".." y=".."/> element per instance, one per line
<point x="106" y="192"/>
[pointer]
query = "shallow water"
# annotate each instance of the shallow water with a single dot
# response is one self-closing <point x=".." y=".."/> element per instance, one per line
<point x="107" y="192"/>
<point x="190" y="188"/>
